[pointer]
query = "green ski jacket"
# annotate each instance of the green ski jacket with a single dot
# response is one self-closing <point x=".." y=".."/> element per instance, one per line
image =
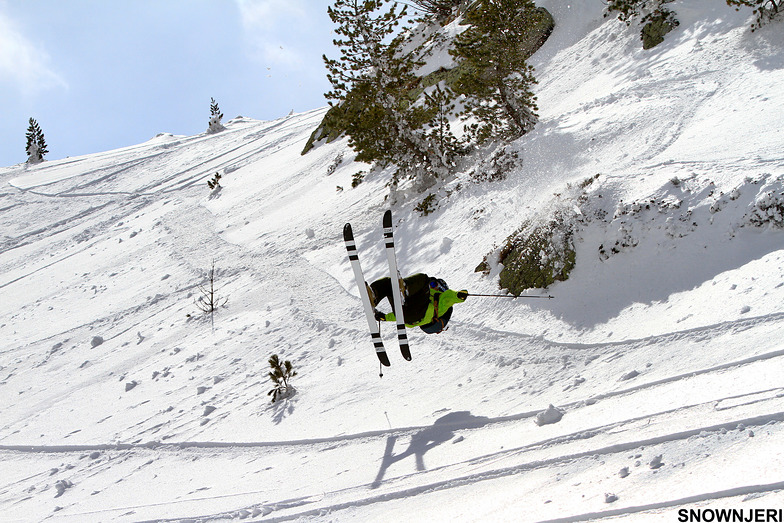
<point x="446" y="299"/>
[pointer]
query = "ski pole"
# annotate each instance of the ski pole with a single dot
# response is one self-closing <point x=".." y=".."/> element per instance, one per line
<point x="510" y="296"/>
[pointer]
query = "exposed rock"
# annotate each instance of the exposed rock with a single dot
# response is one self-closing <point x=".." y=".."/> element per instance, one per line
<point x="629" y="375"/>
<point x="656" y="462"/>
<point x="549" y="416"/>
<point x="536" y="256"/>
<point x="61" y="486"/>
<point x="659" y="24"/>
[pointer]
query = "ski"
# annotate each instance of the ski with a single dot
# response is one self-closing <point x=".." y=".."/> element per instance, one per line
<point x="397" y="295"/>
<point x="375" y="333"/>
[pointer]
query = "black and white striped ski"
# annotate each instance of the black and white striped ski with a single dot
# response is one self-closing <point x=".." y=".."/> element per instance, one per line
<point x="397" y="295"/>
<point x="375" y="333"/>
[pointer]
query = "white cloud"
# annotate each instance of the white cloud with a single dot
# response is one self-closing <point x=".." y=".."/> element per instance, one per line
<point x="275" y="30"/>
<point x="268" y="14"/>
<point x="22" y="63"/>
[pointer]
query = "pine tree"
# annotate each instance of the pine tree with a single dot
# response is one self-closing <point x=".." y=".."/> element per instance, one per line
<point x="656" y="19"/>
<point x="439" y="8"/>
<point x="439" y="105"/>
<point x="498" y="80"/>
<point x="209" y="302"/>
<point x="366" y="59"/>
<point x="214" y="109"/>
<point x="36" y="144"/>
<point x="371" y="82"/>
<point x="628" y="10"/>
<point x="765" y="10"/>
<point x="215" y="125"/>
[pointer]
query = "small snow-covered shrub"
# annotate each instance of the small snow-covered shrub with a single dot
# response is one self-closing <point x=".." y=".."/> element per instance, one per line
<point x="280" y="375"/>
<point x="497" y="167"/>
<point x="215" y="125"/>
<point x="768" y="209"/>
<point x="214" y="183"/>
<point x="335" y="164"/>
<point x="427" y="205"/>
<point x="625" y="240"/>
<point x="357" y="178"/>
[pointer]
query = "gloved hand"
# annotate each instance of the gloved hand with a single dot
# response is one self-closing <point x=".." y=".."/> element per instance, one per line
<point x="462" y="295"/>
<point x="380" y="316"/>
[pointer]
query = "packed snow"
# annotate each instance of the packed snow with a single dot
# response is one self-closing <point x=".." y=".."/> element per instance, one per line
<point x="653" y="382"/>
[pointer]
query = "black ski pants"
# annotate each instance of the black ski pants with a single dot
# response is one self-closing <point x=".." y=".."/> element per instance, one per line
<point x="415" y="301"/>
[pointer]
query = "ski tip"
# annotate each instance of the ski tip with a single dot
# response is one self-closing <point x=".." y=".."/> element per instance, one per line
<point x="347" y="232"/>
<point x="388" y="219"/>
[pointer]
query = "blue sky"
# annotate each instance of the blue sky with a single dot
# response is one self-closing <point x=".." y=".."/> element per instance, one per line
<point x="103" y="74"/>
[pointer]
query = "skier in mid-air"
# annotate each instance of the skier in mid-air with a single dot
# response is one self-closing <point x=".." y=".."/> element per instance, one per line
<point x="427" y="301"/>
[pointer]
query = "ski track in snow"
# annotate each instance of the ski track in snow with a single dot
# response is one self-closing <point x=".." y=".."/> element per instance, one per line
<point x="611" y="441"/>
<point x="119" y="403"/>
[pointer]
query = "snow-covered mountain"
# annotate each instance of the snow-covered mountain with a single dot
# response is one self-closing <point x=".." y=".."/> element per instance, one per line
<point x="121" y="401"/>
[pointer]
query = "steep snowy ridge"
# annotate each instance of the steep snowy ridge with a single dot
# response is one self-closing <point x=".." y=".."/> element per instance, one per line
<point x="121" y="401"/>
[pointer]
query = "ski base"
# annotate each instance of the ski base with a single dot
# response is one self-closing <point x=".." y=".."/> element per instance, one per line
<point x="397" y="296"/>
<point x="375" y="333"/>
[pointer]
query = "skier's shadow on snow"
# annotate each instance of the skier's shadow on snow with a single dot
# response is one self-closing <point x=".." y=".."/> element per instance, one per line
<point x="421" y="442"/>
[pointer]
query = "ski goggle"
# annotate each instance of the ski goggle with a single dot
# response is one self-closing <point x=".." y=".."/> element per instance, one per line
<point x="438" y="284"/>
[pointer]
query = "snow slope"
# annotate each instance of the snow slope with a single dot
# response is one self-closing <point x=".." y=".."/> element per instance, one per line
<point x="120" y="401"/>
